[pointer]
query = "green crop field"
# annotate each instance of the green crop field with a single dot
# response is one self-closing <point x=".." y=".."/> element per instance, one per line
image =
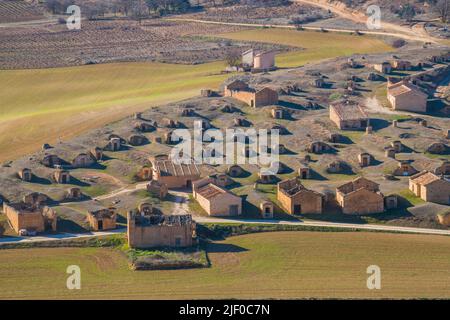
<point x="41" y="106"/>
<point x="262" y="265"/>
<point x="316" y="45"/>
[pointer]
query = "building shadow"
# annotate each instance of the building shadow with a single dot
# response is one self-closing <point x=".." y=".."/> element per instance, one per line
<point x="378" y="124"/>
<point x="214" y="247"/>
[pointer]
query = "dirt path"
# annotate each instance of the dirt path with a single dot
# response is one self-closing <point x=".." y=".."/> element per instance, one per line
<point x="342" y="10"/>
<point x="181" y="202"/>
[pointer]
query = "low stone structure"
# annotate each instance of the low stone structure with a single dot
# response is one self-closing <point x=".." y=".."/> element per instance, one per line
<point x="277" y="113"/>
<point x="402" y="65"/>
<point x="97" y="153"/>
<point x="215" y="200"/>
<point x="267" y="209"/>
<point x="438" y="148"/>
<point x="304" y="172"/>
<point x="364" y="159"/>
<point x="360" y="196"/>
<point x="148" y="230"/>
<point x="296" y="199"/>
<point x="252" y="97"/>
<point x="74" y="194"/>
<point x="349" y="116"/>
<point x="25" y="174"/>
<point x="137" y="140"/>
<point x="175" y="175"/>
<point x="158" y="188"/>
<point x="390" y="152"/>
<point x="430" y="187"/>
<point x="444" y="219"/>
<point x="383" y="67"/>
<point x="235" y="171"/>
<point x="404" y="168"/>
<point x="397" y="146"/>
<point x="319" y="147"/>
<point x="30" y="215"/>
<point x="51" y="160"/>
<point x="390" y="202"/>
<point x="336" y="166"/>
<point x="83" y="160"/>
<point x="443" y="169"/>
<point x="403" y="95"/>
<point x="102" y="219"/>
<point x="61" y="176"/>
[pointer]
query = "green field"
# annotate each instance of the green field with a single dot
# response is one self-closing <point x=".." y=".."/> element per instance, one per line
<point x="262" y="265"/>
<point x="316" y="45"/>
<point x="40" y="106"/>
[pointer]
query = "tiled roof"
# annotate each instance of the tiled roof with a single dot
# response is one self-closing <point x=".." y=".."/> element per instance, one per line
<point x="425" y="178"/>
<point x="349" y="111"/>
<point x="169" y="168"/>
<point x="210" y="191"/>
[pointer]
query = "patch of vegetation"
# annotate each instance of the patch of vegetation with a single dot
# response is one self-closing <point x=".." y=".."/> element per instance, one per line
<point x="167" y="258"/>
<point x="116" y="241"/>
<point x="409" y="196"/>
<point x="95" y="190"/>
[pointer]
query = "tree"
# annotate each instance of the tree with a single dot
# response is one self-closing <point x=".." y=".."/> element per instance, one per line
<point x="443" y="10"/>
<point x="233" y="58"/>
<point x="407" y="12"/>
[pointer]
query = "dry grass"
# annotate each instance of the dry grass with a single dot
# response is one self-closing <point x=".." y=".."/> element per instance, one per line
<point x="264" y="265"/>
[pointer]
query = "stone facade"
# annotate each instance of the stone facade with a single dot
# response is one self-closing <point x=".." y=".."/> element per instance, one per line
<point x="23" y="216"/>
<point x="406" y="96"/>
<point x="252" y="97"/>
<point x="296" y="199"/>
<point x="102" y="219"/>
<point x="175" y="175"/>
<point x="267" y="209"/>
<point x="215" y="200"/>
<point x="150" y="230"/>
<point x="360" y="196"/>
<point x="349" y="116"/>
<point x="430" y="187"/>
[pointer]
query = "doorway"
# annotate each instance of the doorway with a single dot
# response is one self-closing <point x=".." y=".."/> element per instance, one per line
<point x="100" y="225"/>
<point x="297" y="209"/>
<point x="234" y="210"/>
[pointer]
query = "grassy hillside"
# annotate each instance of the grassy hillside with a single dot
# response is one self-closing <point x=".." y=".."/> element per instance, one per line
<point x="264" y="265"/>
<point x="39" y="106"/>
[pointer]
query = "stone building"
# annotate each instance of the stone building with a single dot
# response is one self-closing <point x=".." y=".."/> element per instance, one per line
<point x="404" y="168"/>
<point x="51" y="160"/>
<point x="304" y="172"/>
<point x="137" y="140"/>
<point x="25" y="174"/>
<point x="61" y="176"/>
<point x="364" y="159"/>
<point x="349" y="116"/>
<point x="360" y="196"/>
<point x="252" y="97"/>
<point x="405" y="96"/>
<point x="97" y="153"/>
<point x="74" y="194"/>
<point x="383" y="67"/>
<point x="266" y="177"/>
<point x="277" y="113"/>
<point x="215" y="200"/>
<point x="157" y="188"/>
<point x="430" y="187"/>
<point x="403" y="65"/>
<point x="296" y="199"/>
<point x="175" y="175"/>
<point x="114" y="144"/>
<point x="258" y="60"/>
<point x="83" y="160"/>
<point x="235" y="171"/>
<point x="148" y="230"/>
<point x="319" y="147"/>
<point x="267" y="209"/>
<point x="443" y="168"/>
<point x="31" y="216"/>
<point x="144" y="127"/>
<point x="102" y="219"/>
<point x="397" y="146"/>
<point x="438" y="148"/>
